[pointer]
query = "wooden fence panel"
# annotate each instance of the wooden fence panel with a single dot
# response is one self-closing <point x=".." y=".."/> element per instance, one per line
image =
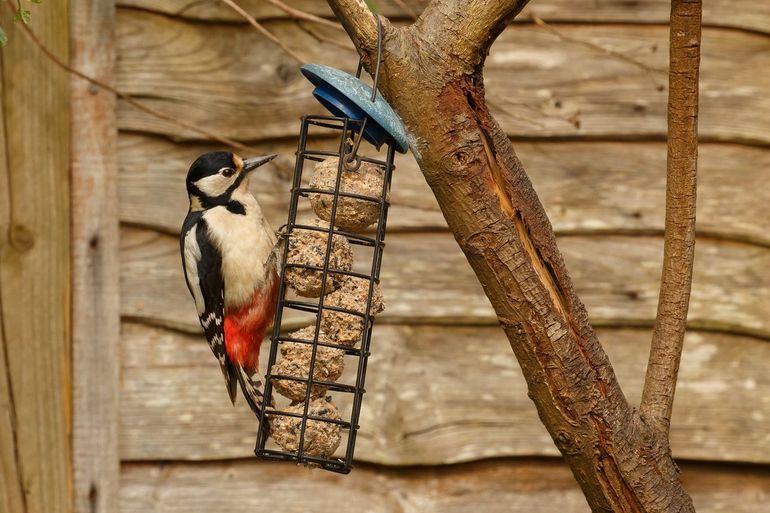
<point x="35" y="400"/>
<point x="540" y="85"/>
<point x="430" y="399"/>
<point x="746" y="14"/>
<point x="426" y="278"/>
<point x="586" y="187"/>
<point x="532" y="486"/>
<point x="441" y="395"/>
<point x="95" y="308"/>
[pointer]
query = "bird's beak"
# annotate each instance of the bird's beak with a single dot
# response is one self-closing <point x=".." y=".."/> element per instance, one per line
<point x="254" y="163"/>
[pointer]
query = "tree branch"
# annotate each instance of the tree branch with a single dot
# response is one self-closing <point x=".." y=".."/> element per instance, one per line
<point x="358" y="21"/>
<point x="431" y="75"/>
<point x="681" y="182"/>
<point x="470" y="26"/>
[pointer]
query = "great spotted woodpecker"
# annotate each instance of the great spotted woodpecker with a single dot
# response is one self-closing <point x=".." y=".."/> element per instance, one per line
<point x="230" y="266"/>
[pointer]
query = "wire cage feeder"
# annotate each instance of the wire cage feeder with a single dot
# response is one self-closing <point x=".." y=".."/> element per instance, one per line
<point x="313" y="430"/>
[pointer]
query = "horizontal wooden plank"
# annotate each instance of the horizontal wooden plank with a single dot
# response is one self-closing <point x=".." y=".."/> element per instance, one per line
<point x="541" y="85"/>
<point x="500" y="486"/>
<point x="426" y="278"/>
<point x="260" y="9"/>
<point x="440" y="395"/>
<point x="728" y="13"/>
<point x="535" y="486"/>
<point x="585" y="186"/>
<point x="152" y="184"/>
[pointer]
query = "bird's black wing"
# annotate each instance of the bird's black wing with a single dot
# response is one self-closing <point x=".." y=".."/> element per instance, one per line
<point x="202" y="264"/>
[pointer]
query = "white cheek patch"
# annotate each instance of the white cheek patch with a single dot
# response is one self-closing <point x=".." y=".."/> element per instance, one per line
<point x="214" y="185"/>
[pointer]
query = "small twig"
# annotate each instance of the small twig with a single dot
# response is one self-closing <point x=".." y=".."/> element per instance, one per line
<point x="131" y="101"/>
<point x="302" y="15"/>
<point x="254" y="23"/>
<point x="651" y="70"/>
<point x="681" y="187"/>
<point x="324" y="39"/>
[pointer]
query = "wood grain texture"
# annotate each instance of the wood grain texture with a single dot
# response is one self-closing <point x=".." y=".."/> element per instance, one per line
<point x="11" y="488"/>
<point x="35" y="398"/>
<point x="95" y="273"/>
<point x="440" y="395"/>
<point x="537" y="486"/>
<point x="586" y="187"/>
<point x="426" y="278"/>
<point x="540" y="85"/>
<point x="739" y="14"/>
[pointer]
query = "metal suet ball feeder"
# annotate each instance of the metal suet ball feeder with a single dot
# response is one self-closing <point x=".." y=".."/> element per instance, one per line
<point x="349" y="191"/>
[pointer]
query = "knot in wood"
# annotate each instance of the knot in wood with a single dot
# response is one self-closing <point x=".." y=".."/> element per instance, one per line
<point x="479" y="243"/>
<point x="510" y="324"/>
<point x="286" y="73"/>
<point x="567" y="442"/>
<point x="457" y="161"/>
<point x="22" y="238"/>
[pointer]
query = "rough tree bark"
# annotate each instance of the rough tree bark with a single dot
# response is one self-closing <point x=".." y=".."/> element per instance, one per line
<point x="681" y="182"/>
<point x="432" y="75"/>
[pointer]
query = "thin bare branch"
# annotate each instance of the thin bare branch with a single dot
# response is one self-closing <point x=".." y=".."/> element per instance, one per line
<point x="650" y="70"/>
<point x="321" y="38"/>
<point x="681" y="185"/>
<point x="254" y="23"/>
<point x="128" y="99"/>
<point x="302" y="15"/>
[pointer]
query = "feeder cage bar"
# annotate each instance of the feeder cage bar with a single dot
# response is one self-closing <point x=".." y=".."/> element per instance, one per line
<point x="350" y="133"/>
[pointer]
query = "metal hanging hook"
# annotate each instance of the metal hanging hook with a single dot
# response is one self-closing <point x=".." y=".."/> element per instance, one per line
<point x="352" y="161"/>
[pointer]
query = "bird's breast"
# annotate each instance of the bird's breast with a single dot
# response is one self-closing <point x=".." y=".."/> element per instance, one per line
<point x="245" y="243"/>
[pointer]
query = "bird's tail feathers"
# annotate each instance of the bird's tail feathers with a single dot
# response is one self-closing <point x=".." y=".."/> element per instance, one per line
<point x="251" y="386"/>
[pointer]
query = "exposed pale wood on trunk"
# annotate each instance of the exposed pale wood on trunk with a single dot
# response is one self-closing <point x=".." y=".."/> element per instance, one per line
<point x="430" y="399"/>
<point x="35" y="400"/>
<point x="541" y="84"/>
<point x="95" y="298"/>
<point x="586" y="187"/>
<point x="534" y="486"/>
<point x="740" y="13"/>
<point x="425" y="278"/>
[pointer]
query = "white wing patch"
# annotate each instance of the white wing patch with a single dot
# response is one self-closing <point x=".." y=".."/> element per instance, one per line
<point x="192" y="255"/>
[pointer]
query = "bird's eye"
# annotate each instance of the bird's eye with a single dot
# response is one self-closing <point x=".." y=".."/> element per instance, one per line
<point x="227" y="171"/>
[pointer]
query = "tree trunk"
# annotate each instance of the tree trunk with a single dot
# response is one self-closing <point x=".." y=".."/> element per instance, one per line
<point x="432" y="76"/>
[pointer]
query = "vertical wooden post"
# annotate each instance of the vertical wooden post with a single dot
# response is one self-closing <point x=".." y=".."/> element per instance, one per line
<point x="95" y="307"/>
<point x="35" y="377"/>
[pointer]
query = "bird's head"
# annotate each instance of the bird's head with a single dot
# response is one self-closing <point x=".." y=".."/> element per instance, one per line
<point x="214" y="176"/>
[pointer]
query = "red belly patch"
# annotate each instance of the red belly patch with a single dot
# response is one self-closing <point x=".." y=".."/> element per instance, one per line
<point x="245" y="327"/>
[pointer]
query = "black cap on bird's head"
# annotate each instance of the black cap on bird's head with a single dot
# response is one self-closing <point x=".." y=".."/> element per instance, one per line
<point x="214" y="176"/>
